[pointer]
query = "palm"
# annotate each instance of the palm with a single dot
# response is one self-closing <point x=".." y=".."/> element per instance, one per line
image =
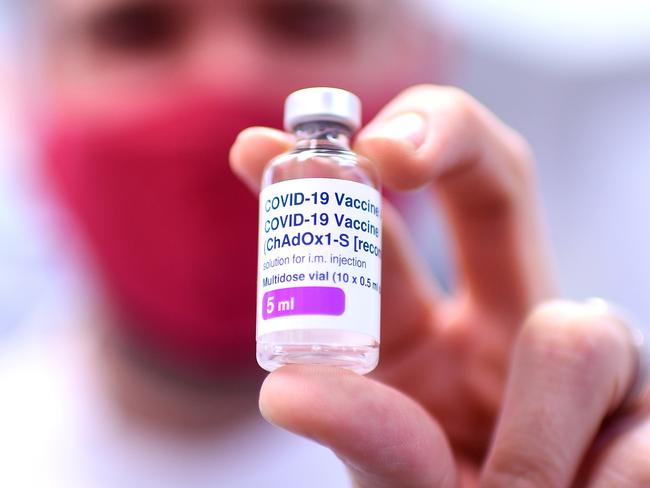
<point x="457" y="371"/>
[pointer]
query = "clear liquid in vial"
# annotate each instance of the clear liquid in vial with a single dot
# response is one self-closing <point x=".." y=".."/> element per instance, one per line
<point x="322" y="151"/>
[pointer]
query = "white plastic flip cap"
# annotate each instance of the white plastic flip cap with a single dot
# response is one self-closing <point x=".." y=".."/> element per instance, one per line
<point x="322" y="104"/>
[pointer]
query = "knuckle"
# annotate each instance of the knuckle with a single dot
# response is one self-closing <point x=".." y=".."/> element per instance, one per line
<point x="460" y="106"/>
<point x="576" y="337"/>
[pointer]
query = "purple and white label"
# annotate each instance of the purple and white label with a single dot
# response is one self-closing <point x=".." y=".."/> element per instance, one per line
<point x="319" y="261"/>
<point x="303" y="300"/>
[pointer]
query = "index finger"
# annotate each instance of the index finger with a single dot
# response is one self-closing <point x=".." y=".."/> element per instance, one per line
<point x="483" y="173"/>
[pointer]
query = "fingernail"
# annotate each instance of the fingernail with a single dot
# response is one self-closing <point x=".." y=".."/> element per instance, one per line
<point x="410" y="127"/>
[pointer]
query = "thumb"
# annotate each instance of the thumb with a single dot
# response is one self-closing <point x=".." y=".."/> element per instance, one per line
<point x="385" y="438"/>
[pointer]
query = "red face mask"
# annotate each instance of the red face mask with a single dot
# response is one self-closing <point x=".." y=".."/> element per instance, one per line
<point x="172" y="231"/>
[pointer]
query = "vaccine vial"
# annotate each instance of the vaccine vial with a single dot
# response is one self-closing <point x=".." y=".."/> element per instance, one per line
<point x="319" y="261"/>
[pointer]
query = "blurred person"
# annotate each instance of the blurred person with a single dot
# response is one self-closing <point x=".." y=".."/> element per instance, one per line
<point x="138" y="105"/>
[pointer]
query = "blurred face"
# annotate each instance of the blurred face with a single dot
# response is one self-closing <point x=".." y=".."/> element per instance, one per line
<point x="146" y="98"/>
<point x="112" y="53"/>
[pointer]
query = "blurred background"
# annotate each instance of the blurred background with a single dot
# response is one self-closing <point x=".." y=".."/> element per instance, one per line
<point x="573" y="76"/>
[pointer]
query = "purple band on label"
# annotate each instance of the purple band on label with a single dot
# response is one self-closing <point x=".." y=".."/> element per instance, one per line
<point x="303" y="300"/>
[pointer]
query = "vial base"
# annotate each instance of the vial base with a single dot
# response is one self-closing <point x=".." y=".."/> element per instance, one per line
<point x="349" y="350"/>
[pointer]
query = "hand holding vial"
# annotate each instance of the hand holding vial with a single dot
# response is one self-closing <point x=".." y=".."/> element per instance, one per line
<point x="451" y="363"/>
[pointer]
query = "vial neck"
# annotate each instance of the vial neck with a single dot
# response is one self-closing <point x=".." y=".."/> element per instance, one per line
<point x="311" y="135"/>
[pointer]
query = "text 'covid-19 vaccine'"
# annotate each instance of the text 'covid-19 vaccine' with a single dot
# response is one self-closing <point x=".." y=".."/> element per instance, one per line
<point x="319" y="261"/>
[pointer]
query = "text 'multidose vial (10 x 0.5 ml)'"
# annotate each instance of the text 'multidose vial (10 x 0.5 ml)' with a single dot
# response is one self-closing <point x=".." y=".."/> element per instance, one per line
<point x="319" y="262"/>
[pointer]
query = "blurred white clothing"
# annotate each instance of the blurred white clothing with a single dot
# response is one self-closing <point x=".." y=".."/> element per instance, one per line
<point x="60" y="430"/>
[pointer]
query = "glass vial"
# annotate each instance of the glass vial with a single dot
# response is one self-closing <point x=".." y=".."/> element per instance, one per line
<point x="319" y="262"/>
